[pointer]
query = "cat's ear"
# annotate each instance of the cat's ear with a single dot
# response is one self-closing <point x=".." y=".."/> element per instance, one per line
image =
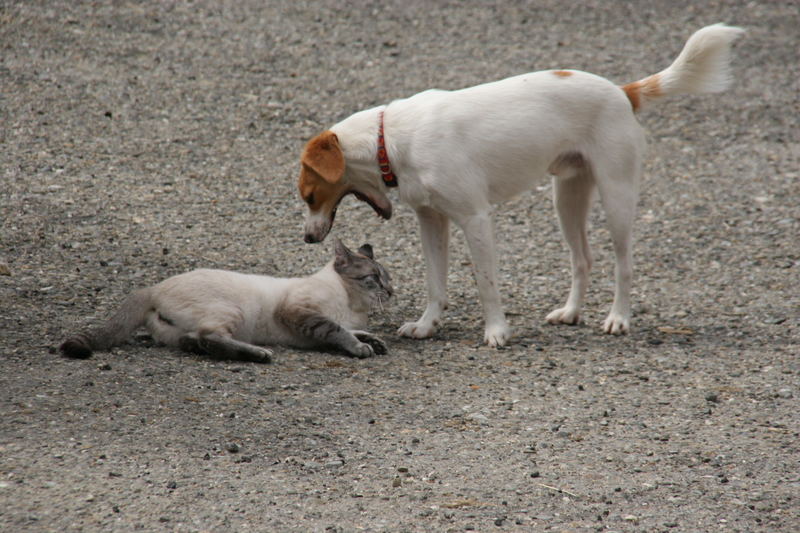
<point x="324" y="156"/>
<point x="366" y="250"/>
<point x="342" y="256"/>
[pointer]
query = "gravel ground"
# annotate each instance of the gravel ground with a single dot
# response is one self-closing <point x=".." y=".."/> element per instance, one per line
<point x="141" y="139"/>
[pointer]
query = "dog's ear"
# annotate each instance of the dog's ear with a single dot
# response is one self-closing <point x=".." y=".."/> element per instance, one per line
<point x="324" y="156"/>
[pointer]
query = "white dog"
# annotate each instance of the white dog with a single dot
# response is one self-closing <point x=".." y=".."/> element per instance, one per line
<point x="452" y="154"/>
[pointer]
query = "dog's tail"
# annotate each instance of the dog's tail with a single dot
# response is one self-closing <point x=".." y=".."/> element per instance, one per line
<point x="131" y="315"/>
<point x="703" y="66"/>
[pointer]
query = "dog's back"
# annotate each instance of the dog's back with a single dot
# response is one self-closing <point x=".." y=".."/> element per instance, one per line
<point x="525" y="123"/>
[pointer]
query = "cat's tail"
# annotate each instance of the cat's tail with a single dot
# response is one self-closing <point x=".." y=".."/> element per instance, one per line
<point x="130" y="316"/>
<point x="703" y="66"/>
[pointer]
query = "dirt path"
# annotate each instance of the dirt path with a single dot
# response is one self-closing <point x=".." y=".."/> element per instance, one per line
<point x="143" y="139"/>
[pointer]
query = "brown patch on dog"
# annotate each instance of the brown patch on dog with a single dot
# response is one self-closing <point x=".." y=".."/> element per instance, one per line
<point x="562" y="73"/>
<point x="317" y="192"/>
<point x="322" y="166"/>
<point x="324" y="156"/>
<point x="648" y="88"/>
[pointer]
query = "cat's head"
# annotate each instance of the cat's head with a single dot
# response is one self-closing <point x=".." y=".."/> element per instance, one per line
<point x="360" y="271"/>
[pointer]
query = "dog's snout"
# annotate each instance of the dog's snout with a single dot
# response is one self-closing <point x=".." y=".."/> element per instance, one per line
<point x="309" y="238"/>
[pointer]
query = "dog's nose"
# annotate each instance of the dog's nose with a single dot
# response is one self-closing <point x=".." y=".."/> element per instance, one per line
<point x="309" y="238"/>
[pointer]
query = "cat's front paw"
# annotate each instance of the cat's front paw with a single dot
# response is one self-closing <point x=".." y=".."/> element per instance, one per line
<point x="378" y="346"/>
<point x="362" y="350"/>
<point x="262" y="355"/>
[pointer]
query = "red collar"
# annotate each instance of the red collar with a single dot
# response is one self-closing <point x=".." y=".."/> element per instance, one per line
<point x="389" y="179"/>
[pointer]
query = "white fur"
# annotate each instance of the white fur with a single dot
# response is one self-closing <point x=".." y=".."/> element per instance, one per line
<point x="703" y="66"/>
<point x="457" y="153"/>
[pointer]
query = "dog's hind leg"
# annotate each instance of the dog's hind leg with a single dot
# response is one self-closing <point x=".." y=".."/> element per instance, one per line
<point x="573" y="189"/>
<point x="435" y="235"/>
<point x="619" y="193"/>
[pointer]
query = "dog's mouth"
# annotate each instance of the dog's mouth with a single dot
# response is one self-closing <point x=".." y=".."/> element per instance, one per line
<point x="317" y="229"/>
<point x="385" y="211"/>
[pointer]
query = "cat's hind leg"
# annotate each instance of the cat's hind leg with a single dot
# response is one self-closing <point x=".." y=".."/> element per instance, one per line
<point x="189" y="344"/>
<point x="224" y="347"/>
<point x="219" y="346"/>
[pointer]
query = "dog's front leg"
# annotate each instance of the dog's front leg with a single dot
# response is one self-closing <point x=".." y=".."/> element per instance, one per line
<point x="435" y="234"/>
<point x="479" y="232"/>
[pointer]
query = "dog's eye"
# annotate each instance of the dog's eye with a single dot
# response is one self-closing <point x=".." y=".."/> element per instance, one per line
<point x="310" y="199"/>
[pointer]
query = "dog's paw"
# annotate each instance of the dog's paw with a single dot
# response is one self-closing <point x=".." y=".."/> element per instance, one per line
<point x="497" y="335"/>
<point x="565" y="315"/>
<point x="417" y="330"/>
<point x="616" y="324"/>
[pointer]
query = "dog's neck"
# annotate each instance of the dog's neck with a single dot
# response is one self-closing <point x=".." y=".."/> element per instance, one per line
<point x="358" y="137"/>
<point x="383" y="155"/>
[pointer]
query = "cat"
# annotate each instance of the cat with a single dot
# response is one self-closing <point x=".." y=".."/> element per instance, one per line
<point x="230" y="315"/>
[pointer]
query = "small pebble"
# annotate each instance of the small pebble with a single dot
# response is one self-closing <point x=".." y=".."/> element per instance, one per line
<point x="785" y="394"/>
<point x="712" y="397"/>
<point x="232" y="447"/>
<point x="479" y="418"/>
